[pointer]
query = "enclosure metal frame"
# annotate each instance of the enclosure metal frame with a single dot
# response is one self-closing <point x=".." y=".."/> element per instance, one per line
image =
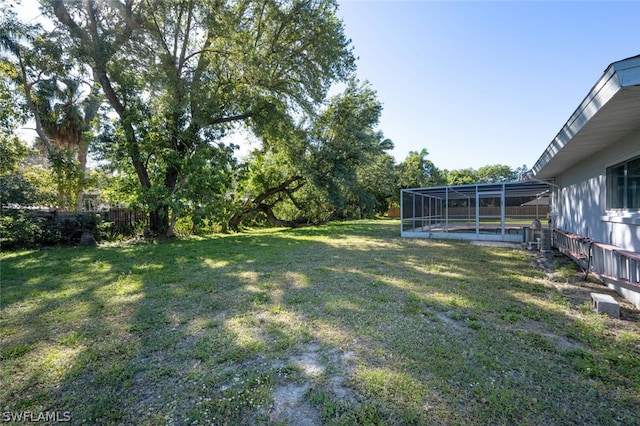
<point x="432" y="220"/>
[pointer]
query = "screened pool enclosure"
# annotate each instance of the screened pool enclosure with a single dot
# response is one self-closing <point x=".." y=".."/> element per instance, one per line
<point x="491" y="212"/>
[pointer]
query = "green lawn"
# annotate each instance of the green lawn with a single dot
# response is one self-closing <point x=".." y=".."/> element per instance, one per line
<point x="340" y="324"/>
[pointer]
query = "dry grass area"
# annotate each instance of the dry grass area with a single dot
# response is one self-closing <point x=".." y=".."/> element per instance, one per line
<point x="340" y="324"/>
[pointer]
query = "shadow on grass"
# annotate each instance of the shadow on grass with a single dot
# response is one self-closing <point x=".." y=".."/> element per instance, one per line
<point x="438" y="332"/>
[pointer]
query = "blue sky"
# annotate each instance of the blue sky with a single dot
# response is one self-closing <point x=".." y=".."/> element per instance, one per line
<point x="479" y="83"/>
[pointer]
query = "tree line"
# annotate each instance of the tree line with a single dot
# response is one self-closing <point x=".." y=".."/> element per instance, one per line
<point x="150" y="90"/>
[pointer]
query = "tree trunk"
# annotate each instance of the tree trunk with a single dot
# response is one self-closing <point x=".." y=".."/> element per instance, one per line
<point x="267" y="210"/>
<point x="83" y="149"/>
<point x="236" y="220"/>
<point x="172" y="224"/>
<point x="159" y="220"/>
<point x="274" y="221"/>
<point x="260" y="206"/>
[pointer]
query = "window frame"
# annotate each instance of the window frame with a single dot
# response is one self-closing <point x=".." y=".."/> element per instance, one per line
<point x="623" y="190"/>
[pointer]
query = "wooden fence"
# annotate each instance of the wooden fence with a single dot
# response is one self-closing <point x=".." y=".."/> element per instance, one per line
<point x="393" y="212"/>
<point x="510" y="211"/>
<point x="126" y="219"/>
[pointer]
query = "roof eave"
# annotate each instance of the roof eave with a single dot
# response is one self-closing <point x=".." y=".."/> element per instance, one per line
<point x="616" y="77"/>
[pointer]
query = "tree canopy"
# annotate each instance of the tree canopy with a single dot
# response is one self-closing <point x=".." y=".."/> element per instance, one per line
<point x="176" y="74"/>
<point x="152" y="89"/>
<point x="320" y="168"/>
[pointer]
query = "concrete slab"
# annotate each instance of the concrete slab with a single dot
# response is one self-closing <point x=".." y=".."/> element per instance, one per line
<point x="606" y="304"/>
<point x="502" y="244"/>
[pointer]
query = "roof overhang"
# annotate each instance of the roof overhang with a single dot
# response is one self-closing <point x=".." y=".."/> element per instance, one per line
<point x="610" y="111"/>
<point x="540" y="201"/>
<point x="457" y="192"/>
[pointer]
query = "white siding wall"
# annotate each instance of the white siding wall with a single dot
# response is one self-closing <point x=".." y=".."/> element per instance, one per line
<point x="579" y="205"/>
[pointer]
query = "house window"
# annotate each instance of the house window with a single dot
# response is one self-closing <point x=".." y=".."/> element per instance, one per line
<point x="623" y="184"/>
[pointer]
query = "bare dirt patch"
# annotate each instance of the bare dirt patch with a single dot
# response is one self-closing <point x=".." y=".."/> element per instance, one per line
<point x="319" y="368"/>
<point x="291" y="407"/>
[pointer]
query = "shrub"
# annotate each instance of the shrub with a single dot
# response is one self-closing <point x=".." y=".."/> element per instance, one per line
<point x="29" y="229"/>
<point x="20" y="229"/>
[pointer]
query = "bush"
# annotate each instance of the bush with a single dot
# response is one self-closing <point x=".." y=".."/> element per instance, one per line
<point x="102" y="231"/>
<point x="20" y="229"/>
<point x="29" y="229"/>
<point x="71" y="228"/>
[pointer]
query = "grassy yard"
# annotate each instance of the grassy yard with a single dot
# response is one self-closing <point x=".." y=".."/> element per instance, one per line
<point x="341" y="324"/>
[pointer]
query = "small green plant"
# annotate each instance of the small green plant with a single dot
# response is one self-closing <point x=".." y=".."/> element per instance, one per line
<point x="588" y="364"/>
<point x="567" y="271"/>
<point x="15" y="351"/>
<point x="334" y="411"/>
<point x="72" y="339"/>
<point x="412" y="306"/>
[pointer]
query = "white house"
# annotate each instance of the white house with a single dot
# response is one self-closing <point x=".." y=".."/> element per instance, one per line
<point x="593" y="165"/>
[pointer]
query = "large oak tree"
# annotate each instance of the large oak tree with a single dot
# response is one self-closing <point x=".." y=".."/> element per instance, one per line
<point x="331" y="165"/>
<point x="177" y="74"/>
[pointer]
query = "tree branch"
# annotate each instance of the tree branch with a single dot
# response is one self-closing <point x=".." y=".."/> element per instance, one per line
<point x="231" y="118"/>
